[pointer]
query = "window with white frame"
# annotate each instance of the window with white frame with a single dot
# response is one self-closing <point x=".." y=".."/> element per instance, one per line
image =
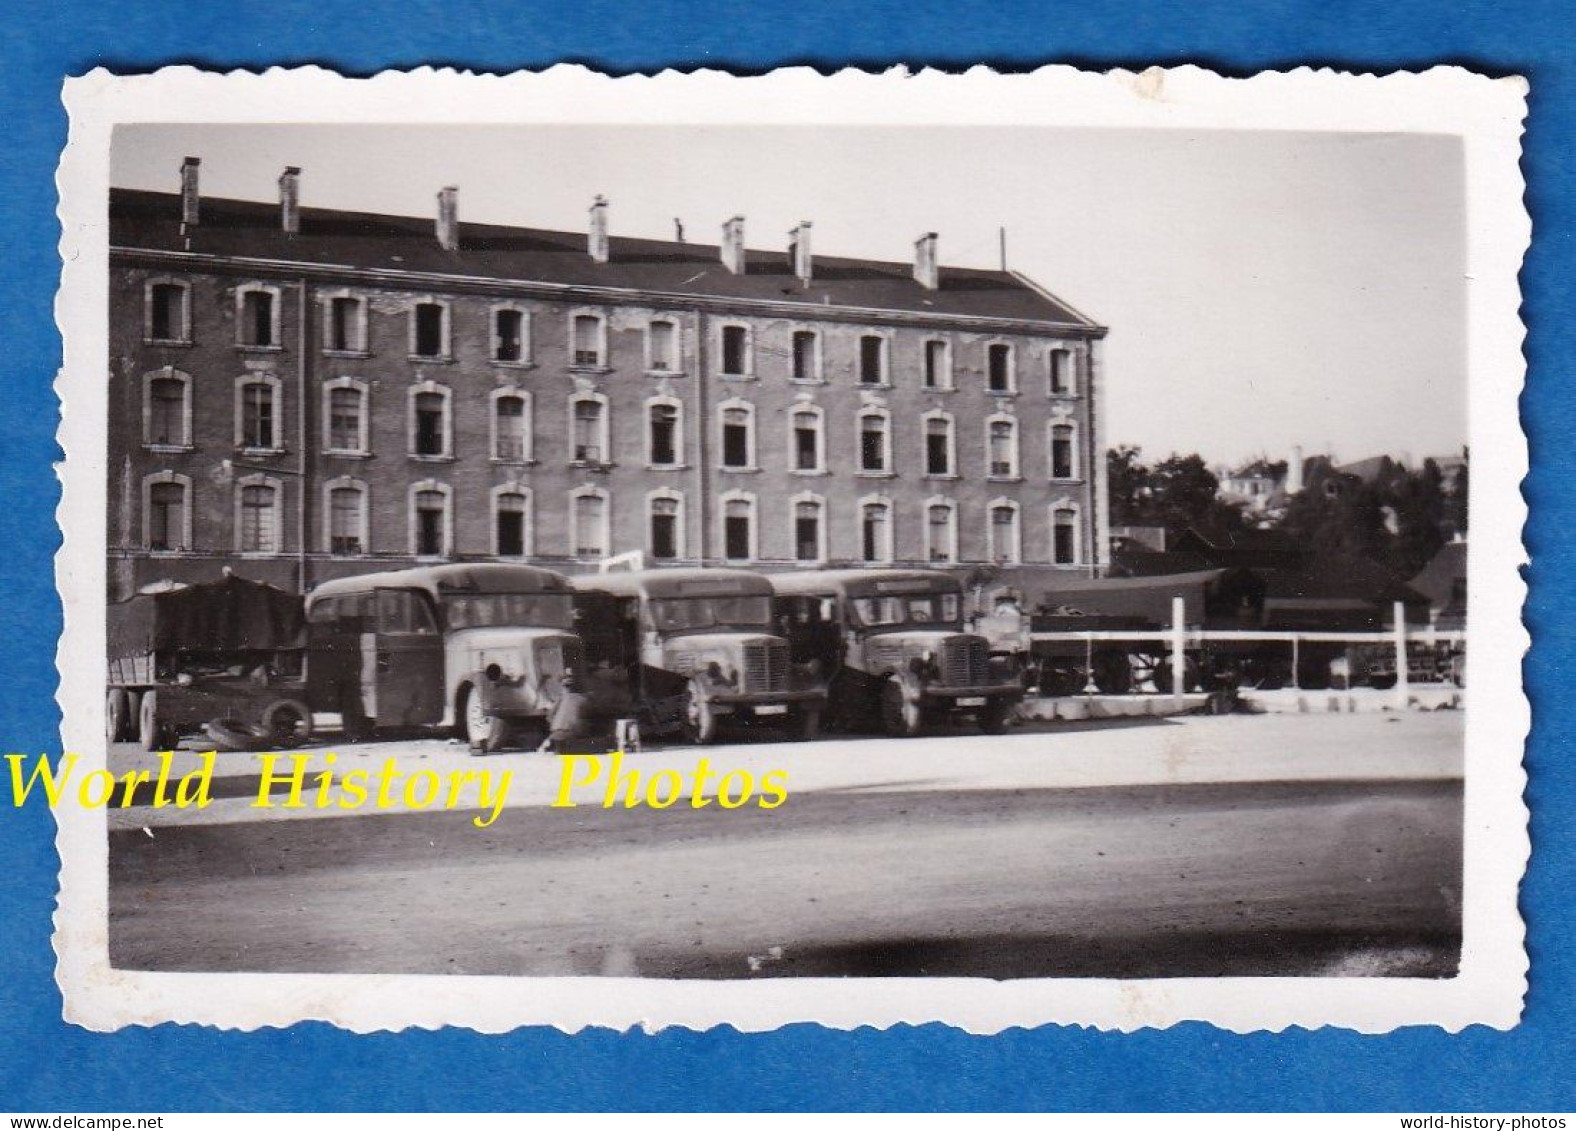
<point x="588" y="340"/>
<point x="588" y="428"/>
<point x="511" y="425"/>
<point x="809" y="528"/>
<point x="166" y="409"/>
<point x="344" y="417"/>
<point x="511" y="335"/>
<point x="511" y="509"/>
<point x="875" y="441"/>
<point x="665" y="525"/>
<point x="431" y="426"/>
<point x="588" y="521"/>
<point x="662" y="346"/>
<point x="167" y="512"/>
<point x="345" y="324"/>
<point x="941" y="532"/>
<point x="806" y="356"/>
<point x="999" y="375"/>
<point x="1001" y="442"/>
<point x="168" y="317"/>
<point x="737" y="422"/>
<point x="738" y="526"/>
<point x="431" y="519"/>
<point x="345" y="515"/>
<point x="257" y="316"/>
<point x="257" y="505"/>
<point x="257" y="423"/>
<point x="1006" y="547"/>
<point x="938" y="364"/>
<point x="664" y="432"/>
<point x="429" y="329"/>
<point x="940" y="444"/>
<point x="734" y="350"/>
<point x="872" y="359"/>
<point x="1065" y="541"/>
<point x="807" y="438"/>
<point x="1063" y="450"/>
<point x="875" y="530"/>
<point x="1060" y="373"/>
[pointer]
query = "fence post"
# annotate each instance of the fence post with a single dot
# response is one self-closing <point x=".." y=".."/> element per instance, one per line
<point x="1178" y="652"/>
<point x="1403" y="669"/>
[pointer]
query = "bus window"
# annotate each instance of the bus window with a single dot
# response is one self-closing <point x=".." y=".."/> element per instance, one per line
<point x="404" y="611"/>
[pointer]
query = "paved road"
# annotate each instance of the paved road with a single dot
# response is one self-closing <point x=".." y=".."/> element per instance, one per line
<point x="1241" y="845"/>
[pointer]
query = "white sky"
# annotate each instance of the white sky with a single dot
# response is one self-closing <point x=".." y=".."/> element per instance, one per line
<point x="1262" y="289"/>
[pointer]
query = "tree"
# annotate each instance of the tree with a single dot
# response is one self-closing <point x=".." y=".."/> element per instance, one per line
<point x="1177" y="493"/>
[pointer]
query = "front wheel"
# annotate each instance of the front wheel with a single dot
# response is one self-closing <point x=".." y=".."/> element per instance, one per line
<point x="484" y="732"/>
<point x="151" y="733"/>
<point x="809" y="724"/>
<point x="700" y="718"/>
<point x="900" y="711"/>
<point x="993" y="719"/>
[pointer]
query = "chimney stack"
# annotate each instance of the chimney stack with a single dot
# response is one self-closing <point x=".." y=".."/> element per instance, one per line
<point x="449" y="218"/>
<point x="596" y="242"/>
<point x="189" y="195"/>
<point x="927" y="272"/>
<point x="799" y="258"/>
<point x="1294" y="472"/>
<point x="290" y="199"/>
<point x="733" y="245"/>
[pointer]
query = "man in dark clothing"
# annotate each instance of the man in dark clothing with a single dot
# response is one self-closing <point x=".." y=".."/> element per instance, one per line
<point x="570" y="721"/>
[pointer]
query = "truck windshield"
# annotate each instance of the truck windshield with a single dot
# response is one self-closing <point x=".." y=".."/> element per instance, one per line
<point x="506" y="610"/>
<point x="922" y="609"/>
<point x="678" y="614"/>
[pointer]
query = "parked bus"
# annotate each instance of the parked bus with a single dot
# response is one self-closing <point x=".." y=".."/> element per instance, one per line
<point x="481" y="649"/>
<point x="682" y="650"/>
<point x="892" y="644"/>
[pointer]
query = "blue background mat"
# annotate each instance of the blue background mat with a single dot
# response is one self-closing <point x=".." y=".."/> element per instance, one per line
<point x="47" y="1066"/>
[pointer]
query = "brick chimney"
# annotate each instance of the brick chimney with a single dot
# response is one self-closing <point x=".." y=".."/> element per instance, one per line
<point x="596" y="241"/>
<point x="190" y="198"/>
<point x="799" y="252"/>
<point x="927" y="272"/>
<point x="733" y="245"/>
<point x="1294" y="472"/>
<point x="290" y="199"/>
<point x="449" y="218"/>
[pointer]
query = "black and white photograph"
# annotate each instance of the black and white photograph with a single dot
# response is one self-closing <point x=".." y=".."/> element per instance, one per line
<point x="1000" y="556"/>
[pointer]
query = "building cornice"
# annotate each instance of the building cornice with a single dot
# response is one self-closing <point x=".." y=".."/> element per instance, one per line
<point x="428" y="281"/>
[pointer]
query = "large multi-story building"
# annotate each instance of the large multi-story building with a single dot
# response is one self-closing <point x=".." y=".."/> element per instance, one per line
<point x="301" y="393"/>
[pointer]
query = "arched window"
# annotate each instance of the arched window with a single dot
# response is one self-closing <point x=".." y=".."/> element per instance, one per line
<point x="739" y="535"/>
<point x="511" y="425"/>
<point x="873" y="360"/>
<point x="345" y="517"/>
<point x="588" y="522"/>
<point x="941" y="531"/>
<point x="511" y="335"/>
<point x="588" y="429"/>
<point x="344" y="417"/>
<point x="735" y="350"/>
<point x="1066" y="541"/>
<point x="431" y="424"/>
<point x="662" y="346"/>
<point x="809" y="527"/>
<point x="875" y="441"/>
<point x="1001" y="442"/>
<point x="167" y="318"/>
<point x="166" y="409"/>
<point x="257" y="507"/>
<point x="431" y="519"/>
<point x="167" y="512"/>
<point x="1006" y="545"/>
<point x="257" y="316"/>
<point x="999" y="365"/>
<point x="665" y="525"/>
<point x="736" y="420"/>
<point x="588" y="340"/>
<point x="1063" y="450"/>
<point x="664" y="432"/>
<point x="875" y="529"/>
<point x="258" y="426"/>
<point x="940" y="444"/>
<point x="511" y="521"/>
<point x="344" y="323"/>
<point x="807" y="438"/>
<point x="429" y="330"/>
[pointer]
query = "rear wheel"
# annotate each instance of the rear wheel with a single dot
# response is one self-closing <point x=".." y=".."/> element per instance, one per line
<point x="117" y="714"/>
<point x="1113" y="674"/>
<point x="485" y="732"/>
<point x="151" y="732"/>
<point x="900" y="710"/>
<point x="700" y="718"/>
<point x="286" y="723"/>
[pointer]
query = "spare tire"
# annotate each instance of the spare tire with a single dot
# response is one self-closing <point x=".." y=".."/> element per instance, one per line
<point x="232" y="735"/>
<point x="286" y="723"/>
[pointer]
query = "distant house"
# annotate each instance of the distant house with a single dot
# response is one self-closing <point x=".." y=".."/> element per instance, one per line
<point x="1444" y="582"/>
<point x="1255" y="487"/>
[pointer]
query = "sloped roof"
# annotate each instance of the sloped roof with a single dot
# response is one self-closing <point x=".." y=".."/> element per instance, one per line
<point x="330" y="238"/>
<point x="1437" y="580"/>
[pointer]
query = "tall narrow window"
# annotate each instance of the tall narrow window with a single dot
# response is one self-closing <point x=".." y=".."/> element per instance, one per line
<point x="167" y="516"/>
<point x="999" y="368"/>
<point x="1062" y="466"/>
<point x="346" y="521"/>
<point x="938" y="367"/>
<point x="1064" y="536"/>
<point x="259" y="528"/>
<point x="427" y="336"/>
<point x="736" y="438"/>
<point x="257" y="318"/>
<point x="664" y="529"/>
<point x="167" y="412"/>
<point x="805" y="354"/>
<point x="737" y="529"/>
<point x="807" y="531"/>
<point x="1003" y="449"/>
<point x="432" y="509"/>
<point x="1004" y="534"/>
<point x="588" y="339"/>
<point x="257" y="416"/>
<point x="735" y="351"/>
<point x="872" y="442"/>
<point x="938" y="446"/>
<point x="588" y="432"/>
<point x="167" y="319"/>
<point x="662" y="346"/>
<point x="876" y="532"/>
<point x="344" y="325"/>
<point x="941" y="533"/>
<point x="664" y="435"/>
<point x="346" y="419"/>
<point x="509" y="428"/>
<point x="508" y="335"/>
<point x="509" y="520"/>
<point x="431" y="424"/>
<point x="590" y="517"/>
<point x="872" y="360"/>
<point x="806" y="440"/>
<point x="1061" y="372"/>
